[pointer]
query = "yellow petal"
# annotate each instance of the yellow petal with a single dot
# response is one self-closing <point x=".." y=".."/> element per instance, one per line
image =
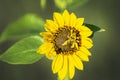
<point x="82" y="56"/>
<point x="58" y="63"/>
<point x="66" y="17"/>
<point x="47" y="36"/>
<point x="58" y="19"/>
<point x="72" y="20"/>
<point x="45" y="48"/>
<point x="62" y="73"/>
<point x="79" y="23"/>
<point x="85" y="50"/>
<point x="86" y="42"/>
<point x="85" y="31"/>
<point x="51" y="53"/>
<point x="51" y="26"/>
<point x="54" y="62"/>
<point x="77" y="62"/>
<point x="71" y="69"/>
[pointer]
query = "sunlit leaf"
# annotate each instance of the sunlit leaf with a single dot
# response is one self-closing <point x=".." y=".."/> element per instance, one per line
<point x="69" y="4"/>
<point x="23" y="52"/>
<point x="27" y="25"/>
<point x="77" y="3"/>
<point x="42" y="3"/>
<point x="94" y="28"/>
<point x="61" y="4"/>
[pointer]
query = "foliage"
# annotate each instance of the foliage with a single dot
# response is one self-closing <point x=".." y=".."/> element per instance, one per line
<point x="94" y="28"/>
<point x="23" y="52"/>
<point x="70" y="4"/>
<point x="27" y="25"/>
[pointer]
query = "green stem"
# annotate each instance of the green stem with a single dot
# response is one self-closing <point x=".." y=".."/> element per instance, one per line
<point x="66" y="77"/>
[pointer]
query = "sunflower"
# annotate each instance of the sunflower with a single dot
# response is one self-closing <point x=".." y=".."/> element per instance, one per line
<point x="66" y="42"/>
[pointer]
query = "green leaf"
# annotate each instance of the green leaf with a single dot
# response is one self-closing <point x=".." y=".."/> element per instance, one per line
<point x="27" y="25"/>
<point x="42" y="3"/>
<point x="61" y="4"/>
<point x="94" y="28"/>
<point x="77" y="3"/>
<point x="70" y="4"/>
<point x="23" y="52"/>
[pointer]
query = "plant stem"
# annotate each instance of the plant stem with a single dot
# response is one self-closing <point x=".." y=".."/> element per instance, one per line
<point x="66" y="77"/>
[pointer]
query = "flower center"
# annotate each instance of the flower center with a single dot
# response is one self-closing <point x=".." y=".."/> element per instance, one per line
<point x="67" y="40"/>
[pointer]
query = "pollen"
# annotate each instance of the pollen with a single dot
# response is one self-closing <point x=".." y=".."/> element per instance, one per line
<point x="67" y="40"/>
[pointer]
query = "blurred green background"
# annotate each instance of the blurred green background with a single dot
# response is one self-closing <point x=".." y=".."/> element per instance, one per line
<point x="104" y="63"/>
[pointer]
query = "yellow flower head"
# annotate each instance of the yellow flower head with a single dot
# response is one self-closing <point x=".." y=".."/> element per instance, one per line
<point x="66" y="42"/>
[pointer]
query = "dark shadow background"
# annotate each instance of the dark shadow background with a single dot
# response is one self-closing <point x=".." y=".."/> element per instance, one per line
<point x="104" y="63"/>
